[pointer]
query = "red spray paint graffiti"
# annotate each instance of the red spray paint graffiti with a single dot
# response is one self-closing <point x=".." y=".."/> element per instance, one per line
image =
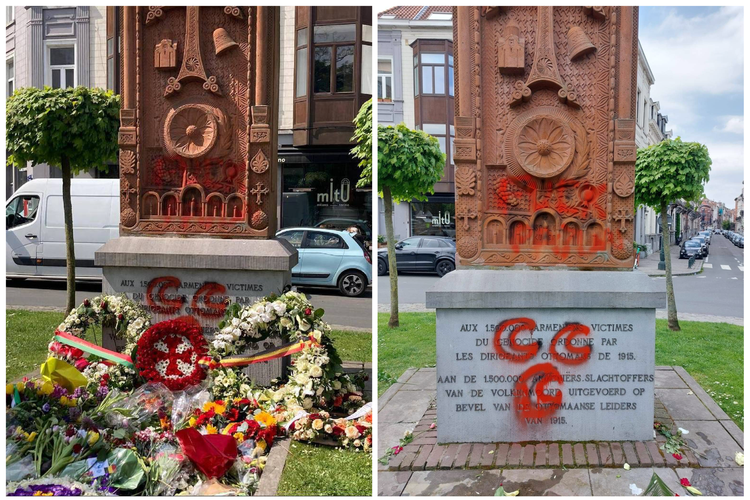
<point x="208" y="302"/>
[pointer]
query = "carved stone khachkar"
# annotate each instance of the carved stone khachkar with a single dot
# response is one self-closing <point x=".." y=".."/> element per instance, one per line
<point x="199" y="101"/>
<point x="545" y="153"/>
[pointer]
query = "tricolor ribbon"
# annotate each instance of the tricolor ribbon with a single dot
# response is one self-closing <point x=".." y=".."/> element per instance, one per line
<point x="267" y="355"/>
<point x="72" y="340"/>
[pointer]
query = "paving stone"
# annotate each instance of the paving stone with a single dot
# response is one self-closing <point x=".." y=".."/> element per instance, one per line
<point x="605" y="482"/>
<point x="475" y="457"/>
<point x="683" y="406"/>
<point x="453" y="483"/>
<point x="405" y="406"/>
<point x="462" y="456"/>
<point x="656" y="455"/>
<point x="643" y="457"/>
<point x="395" y="461"/>
<point x="715" y="481"/>
<point x="392" y="483"/>
<point x="734" y="431"/>
<point x="618" y="456"/>
<point x="630" y="456"/>
<point x="501" y="455"/>
<point x="580" y="454"/>
<point x="567" y="454"/>
<point x="421" y="381"/>
<point x="434" y="459"/>
<point x="691" y="458"/>
<point x="605" y="455"/>
<point x="553" y="455"/>
<point x="593" y="456"/>
<point x="408" y="373"/>
<point x="446" y="461"/>
<point x="668" y="379"/>
<point x="547" y="482"/>
<point x="389" y="435"/>
<point x="527" y="456"/>
<point x="488" y="455"/>
<point x="421" y="460"/>
<point x="425" y="440"/>
<point x="541" y="455"/>
<point x="707" y="400"/>
<point x="711" y="443"/>
<point x="514" y="456"/>
<point x="406" y="462"/>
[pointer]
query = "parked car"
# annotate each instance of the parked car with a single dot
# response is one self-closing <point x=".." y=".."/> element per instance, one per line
<point x="346" y="224"/>
<point x="741" y="242"/>
<point x="736" y="238"/>
<point x="329" y="258"/>
<point x="703" y="243"/>
<point x="421" y="253"/>
<point x="707" y="234"/>
<point x="690" y="248"/>
<point x="35" y="228"/>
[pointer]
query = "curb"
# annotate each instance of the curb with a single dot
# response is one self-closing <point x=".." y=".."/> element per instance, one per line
<point x="271" y="477"/>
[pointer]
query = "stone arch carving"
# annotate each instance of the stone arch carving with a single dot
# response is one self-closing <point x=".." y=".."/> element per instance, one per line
<point x="215" y="204"/>
<point x="192" y="201"/>
<point x="572" y="235"/>
<point x="594" y="237"/>
<point x="545" y="228"/>
<point x="235" y="207"/>
<point x="494" y="233"/>
<point x="170" y="205"/>
<point x="518" y="233"/>
<point x="150" y="205"/>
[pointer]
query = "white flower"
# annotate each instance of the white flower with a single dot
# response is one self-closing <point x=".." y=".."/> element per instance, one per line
<point x="286" y="322"/>
<point x="316" y="371"/>
<point x="307" y="403"/>
<point x="317" y="424"/>
<point x="235" y="321"/>
<point x="351" y="432"/>
<point x="328" y="428"/>
<point x="336" y="385"/>
<point x="301" y="378"/>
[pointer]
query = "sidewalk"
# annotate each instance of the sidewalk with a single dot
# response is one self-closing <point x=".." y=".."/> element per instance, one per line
<point x="650" y="265"/>
<point x="426" y="468"/>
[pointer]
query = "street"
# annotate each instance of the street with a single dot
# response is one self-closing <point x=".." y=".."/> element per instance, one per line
<point x="717" y="291"/>
<point x="340" y="310"/>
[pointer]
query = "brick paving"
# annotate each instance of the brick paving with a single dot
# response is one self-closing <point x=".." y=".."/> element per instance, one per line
<point x="424" y="454"/>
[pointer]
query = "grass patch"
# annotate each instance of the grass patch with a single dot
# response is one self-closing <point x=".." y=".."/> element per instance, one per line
<point x="353" y="346"/>
<point x="313" y="470"/>
<point x="713" y="353"/>
<point x="410" y="345"/>
<point x="28" y="333"/>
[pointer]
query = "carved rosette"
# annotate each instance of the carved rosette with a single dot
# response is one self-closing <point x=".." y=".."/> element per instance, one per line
<point x="191" y="130"/>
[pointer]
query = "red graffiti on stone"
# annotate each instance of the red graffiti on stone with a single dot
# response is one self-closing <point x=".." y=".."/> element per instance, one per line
<point x="568" y="336"/>
<point x="156" y="297"/>
<point x="207" y="294"/>
<point x="535" y="381"/>
<point x="524" y="352"/>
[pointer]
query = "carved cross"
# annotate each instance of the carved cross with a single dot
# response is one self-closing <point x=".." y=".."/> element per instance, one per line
<point x="127" y="191"/>
<point x="259" y="190"/>
<point x="623" y="216"/>
<point x="470" y="214"/>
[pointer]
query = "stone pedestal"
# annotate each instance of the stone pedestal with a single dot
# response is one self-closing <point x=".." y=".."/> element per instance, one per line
<point x="198" y="277"/>
<point x="545" y="355"/>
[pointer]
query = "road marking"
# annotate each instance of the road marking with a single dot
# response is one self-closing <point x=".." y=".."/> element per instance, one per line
<point x="725" y="267"/>
<point x="708" y="266"/>
<point x="734" y="277"/>
<point x="700" y="277"/>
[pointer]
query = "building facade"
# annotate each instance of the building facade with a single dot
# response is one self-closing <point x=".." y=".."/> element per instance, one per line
<point x="739" y="211"/>
<point x="56" y="47"/>
<point x="415" y="86"/>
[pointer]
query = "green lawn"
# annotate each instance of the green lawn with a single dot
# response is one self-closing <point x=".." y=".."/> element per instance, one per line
<point x="711" y="352"/>
<point x="28" y="333"/>
<point x="313" y="470"/>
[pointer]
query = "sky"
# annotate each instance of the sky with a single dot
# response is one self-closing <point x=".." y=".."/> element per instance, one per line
<point x="696" y="56"/>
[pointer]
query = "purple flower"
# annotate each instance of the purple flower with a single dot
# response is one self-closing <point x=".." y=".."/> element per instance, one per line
<point x="80" y="392"/>
<point x="59" y="392"/>
<point x="102" y="391"/>
<point x="54" y="489"/>
<point x="74" y="413"/>
<point x="45" y="407"/>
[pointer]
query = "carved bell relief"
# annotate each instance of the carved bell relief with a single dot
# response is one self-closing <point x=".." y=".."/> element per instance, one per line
<point x="578" y="43"/>
<point x="510" y="50"/>
<point x="222" y="41"/>
<point x="165" y="54"/>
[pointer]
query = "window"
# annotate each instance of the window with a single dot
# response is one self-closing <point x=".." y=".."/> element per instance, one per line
<point x="434" y="70"/>
<point x="21" y="210"/>
<point x="440" y="16"/>
<point x="301" y="77"/>
<point x="385" y="79"/>
<point x="440" y="131"/>
<point x="293" y="237"/>
<point x="315" y="239"/>
<point x="430" y="243"/>
<point x="10" y="15"/>
<point x="334" y="58"/>
<point x="61" y="66"/>
<point x="410" y="243"/>
<point x="10" y="72"/>
<point x="638" y="109"/>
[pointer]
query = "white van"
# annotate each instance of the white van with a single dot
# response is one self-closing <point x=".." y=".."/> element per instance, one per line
<point x="35" y="227"/>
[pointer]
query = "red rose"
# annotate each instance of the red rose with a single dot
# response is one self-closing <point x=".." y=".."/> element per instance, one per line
<point x="120" y="317"/>
<point x="308" y="311"/>
<point x="360" y="428"/>
<point x="105" y="377"/>
<point x="232" y="415"/>
<point x="677" y="456"/>
<point x="86" y="302"/>
<point x="75" y="352"/>
<point x="252" y="427"/>
<point x="338" y="400"/>
<point x="81" y="365"/>
<point x="77" y="448"/>
<point x="338" y="431"/>
<point x="267" y="435"/>
<point x="243" y="402"/>
<point x="685" y="482"/>
<point x="103" y="305"/>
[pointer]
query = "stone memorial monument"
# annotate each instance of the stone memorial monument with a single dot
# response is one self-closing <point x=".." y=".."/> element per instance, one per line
<point x="545" y="332"/>
<point x="198" y="142"/>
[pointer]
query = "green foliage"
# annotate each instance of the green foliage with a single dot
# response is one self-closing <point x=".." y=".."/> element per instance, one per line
<point x="725" y="225"/>
<point x="678" y="226"/>
<point x="45" y="125"/>
<point x="409" y="162"/>
<point x="657" y="488"/>
<point x="670" y="171"/>
<point x="323" y="471"/>
<point x="363" y="137"/>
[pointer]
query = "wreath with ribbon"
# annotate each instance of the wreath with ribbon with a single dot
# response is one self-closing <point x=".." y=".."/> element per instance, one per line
<point x="169" y="352"/>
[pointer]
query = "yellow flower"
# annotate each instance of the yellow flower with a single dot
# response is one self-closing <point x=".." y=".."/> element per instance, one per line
<point x="64" y="400"/>
<point x="192" y="421"/>
<point x="47" y="388"/>
<point x="9" y="389"/>
<point x="93" y="438"/>
<point x="265" y="418"/>
<point x="20" y="386"/>
<point x="239" y="437"/>
<point x="42" y="494"/>
<point x="31" y="437"/>
<point x="218" y="409"/>
<point x="210" y="429"/>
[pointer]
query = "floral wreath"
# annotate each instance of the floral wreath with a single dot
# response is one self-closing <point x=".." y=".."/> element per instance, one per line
<point x="169" y="352"/>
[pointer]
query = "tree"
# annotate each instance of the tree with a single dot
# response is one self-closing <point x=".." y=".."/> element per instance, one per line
<point x="409" y="164"/>
<point x="74" y="129"/>
<point x="664" y="173"/>
<point x="725" y="225"/>
<point x="363" y="137"/>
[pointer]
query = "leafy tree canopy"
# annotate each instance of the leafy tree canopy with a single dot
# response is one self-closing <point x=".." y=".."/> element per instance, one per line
<point x="670" y="171"/>
<point x="409" y="162"/>
<point x="363" y="137"/>
<point x="45" y="125"/>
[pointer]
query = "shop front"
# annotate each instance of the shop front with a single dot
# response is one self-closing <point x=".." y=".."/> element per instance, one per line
<point x="434" y="217"/>
<point x="319" y="189"/>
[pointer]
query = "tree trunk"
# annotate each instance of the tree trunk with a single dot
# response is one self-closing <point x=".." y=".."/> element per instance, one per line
<point x="671" y="306"/>
<point x="392" y="271"/>
<point x="70" y="254"/>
